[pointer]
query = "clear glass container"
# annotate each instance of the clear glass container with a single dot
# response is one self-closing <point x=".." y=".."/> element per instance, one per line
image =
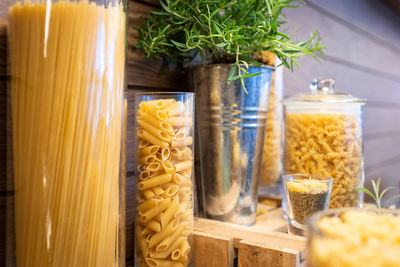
<point x="273" y="146"/>
<point x="67" y="68"/>
<point x="305" y="195"/>
<point x="164" y="152"/>
<point x="324" y="136"/>
<point x="352" y="237"/>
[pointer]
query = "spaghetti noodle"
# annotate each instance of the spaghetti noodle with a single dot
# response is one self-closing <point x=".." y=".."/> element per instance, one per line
<point x="67" y="75"/>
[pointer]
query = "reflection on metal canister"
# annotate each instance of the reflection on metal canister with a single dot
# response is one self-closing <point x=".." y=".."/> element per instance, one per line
<point x="231" y="128"/>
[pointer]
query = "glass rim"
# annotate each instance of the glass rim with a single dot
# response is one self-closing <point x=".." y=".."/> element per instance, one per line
<point x="311" y="221"/>
<point x="296" y="176"/>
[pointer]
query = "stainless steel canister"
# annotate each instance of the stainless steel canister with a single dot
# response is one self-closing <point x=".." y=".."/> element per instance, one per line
<point x="231" y="128"/>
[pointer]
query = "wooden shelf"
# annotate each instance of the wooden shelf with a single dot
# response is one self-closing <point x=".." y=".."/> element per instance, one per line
<point x="266" y="243"/>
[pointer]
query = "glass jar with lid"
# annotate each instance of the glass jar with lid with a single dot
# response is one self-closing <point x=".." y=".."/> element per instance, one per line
<point x="324" y="136"/>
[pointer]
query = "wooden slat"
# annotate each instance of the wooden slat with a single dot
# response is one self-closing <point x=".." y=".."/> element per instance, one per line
<point x="368" y="17"/>
<point x="8" y="237"/>
<point x="3" y="208"/>
<point x="389" y="174"/>
<point x="3" y="139"/>
<point x="212" y="250"/>
<point x="239" y="233"/>
<point x="271" y="221"/>
<point x="382" y="159"/>
<point x="380" y="150"/>
<point x="3" y="9"/>
<point x="349" y="80"/>
<point x="151" y="2"/>
<point x="261" y="253"/>
<point x="140" y="71"/>
<point x="345" y="43"/>
<point x="3" y="104"/>
<point x="256" y="246"/>
<point x="380" y="119"/>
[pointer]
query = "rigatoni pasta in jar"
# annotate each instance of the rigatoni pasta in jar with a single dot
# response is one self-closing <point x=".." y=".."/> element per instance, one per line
<point x="164" y="153"/>
<point x="324" y="136"/>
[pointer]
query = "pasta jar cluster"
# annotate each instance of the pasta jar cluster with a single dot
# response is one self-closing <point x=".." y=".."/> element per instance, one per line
<point x="164" y="151"/>
<point x="324" y="136"/>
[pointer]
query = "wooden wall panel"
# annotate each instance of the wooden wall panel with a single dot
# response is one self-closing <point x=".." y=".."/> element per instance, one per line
<point x="363" y="56"/>
<point x="368" y="17"/>
<point x="373" y="159"/>
<point x="344" y="43"/>
<point x="4" y="193"/>
<point x="3" y="9"/>
<point x="350" y="80"/>
<point x="141" y="72"/>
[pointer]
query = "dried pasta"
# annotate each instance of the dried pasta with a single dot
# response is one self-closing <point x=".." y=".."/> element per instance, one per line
<point x="329" y="145"/>
<point x="67" y="104"/>
<point x="165" y="217"/>
<point x="356" y="238"/>
<point x="271" y="162"/>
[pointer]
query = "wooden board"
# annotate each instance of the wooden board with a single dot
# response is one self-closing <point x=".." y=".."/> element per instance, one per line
<point x="4" y="194"/>
<point x="264" y="244"/>
<point x="213" y="250"/>
<point x="343" y="41"/>
<point x="142" y="72"/>
<point x="368" y="17"/>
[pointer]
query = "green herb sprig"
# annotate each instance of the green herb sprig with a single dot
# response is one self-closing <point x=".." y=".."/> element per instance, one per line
<point x="377" y="195"/>
<point x="235" y="29"/>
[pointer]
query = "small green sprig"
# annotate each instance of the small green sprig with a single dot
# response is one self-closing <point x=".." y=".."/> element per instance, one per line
<point x="235" y="29"/>
<point x="378" y="196"/>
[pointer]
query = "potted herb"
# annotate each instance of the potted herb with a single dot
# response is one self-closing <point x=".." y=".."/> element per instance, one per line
<point x="234" y="40"/>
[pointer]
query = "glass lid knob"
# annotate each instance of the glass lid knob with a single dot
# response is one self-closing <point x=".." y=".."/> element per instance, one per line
<point x="322" y="86"/>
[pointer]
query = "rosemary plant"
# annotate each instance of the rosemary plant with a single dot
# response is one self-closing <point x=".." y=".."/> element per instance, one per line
<point x="233" y="30"/>
<point x="378" y="196"/>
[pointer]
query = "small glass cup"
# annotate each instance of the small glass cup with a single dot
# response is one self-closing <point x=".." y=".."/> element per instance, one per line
<point x="305" y="195"/>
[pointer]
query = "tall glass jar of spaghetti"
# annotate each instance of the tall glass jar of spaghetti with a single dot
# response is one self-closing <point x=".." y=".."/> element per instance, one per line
<point x="164" y="153"/>
<point x="67" y="66"/>
<point x="324" y="136"/>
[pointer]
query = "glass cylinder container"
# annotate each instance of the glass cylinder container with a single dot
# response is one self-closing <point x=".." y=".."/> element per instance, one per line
<point x="272" y="156"/>
<point x="305" y="195"/>
<point x="67" y="67"/>
<point x="324" y="136"/>
<point x="353" y="237"/>
<point x="164" y="151"/>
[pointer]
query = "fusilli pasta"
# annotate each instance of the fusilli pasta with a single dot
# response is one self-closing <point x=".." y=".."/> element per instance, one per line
<point x="330" y="145"/>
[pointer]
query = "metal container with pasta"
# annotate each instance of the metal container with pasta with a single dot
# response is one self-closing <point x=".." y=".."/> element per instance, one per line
<point x="324" y="136"/>
<point x="164" y="152"/>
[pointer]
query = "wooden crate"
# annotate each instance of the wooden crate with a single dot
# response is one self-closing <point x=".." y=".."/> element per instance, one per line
<point x="219" y="244"/>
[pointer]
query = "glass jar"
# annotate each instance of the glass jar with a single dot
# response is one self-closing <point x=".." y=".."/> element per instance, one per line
<point x="353" y="237"/>
<point x="164" y="151"/>
<point x="304" y="195"/>
<point x="324" y="136"/>
<point x="67" y="67"/>
<point x="272" y="156"/>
